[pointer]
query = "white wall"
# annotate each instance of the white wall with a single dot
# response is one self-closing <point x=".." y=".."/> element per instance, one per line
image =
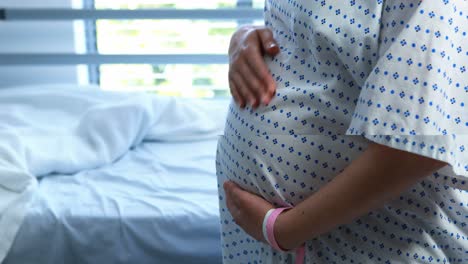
<point x="36" y="36"/>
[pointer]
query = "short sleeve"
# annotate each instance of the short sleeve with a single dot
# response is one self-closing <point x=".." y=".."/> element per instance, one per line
<point x="416" y="96"/>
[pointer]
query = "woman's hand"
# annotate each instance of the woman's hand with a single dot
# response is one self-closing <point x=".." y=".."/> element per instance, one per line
<point x="249" y="79"/>
<point x="247" y="209"/>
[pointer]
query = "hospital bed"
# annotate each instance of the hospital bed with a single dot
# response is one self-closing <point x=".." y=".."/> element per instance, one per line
<point x="156" y="203"/>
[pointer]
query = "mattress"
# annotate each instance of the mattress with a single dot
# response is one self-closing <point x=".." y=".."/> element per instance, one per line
<point x="156" y="204"/>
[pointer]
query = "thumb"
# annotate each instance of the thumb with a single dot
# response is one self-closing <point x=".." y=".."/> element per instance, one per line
<point x="270" y="46"/>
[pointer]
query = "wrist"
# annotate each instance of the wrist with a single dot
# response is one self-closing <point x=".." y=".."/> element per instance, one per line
<point x="284" y="231"/>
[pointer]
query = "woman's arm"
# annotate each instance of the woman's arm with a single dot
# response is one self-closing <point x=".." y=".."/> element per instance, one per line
<point x="378" y="175"/>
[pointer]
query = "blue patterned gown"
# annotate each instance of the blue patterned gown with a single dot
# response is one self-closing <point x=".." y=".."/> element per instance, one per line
<point x="351" y="72"/>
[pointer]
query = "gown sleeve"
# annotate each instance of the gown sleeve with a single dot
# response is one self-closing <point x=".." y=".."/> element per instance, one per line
<point x="415" y="99"/>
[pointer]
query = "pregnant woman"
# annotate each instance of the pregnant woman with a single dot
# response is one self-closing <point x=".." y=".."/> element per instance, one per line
<point x="355" y="123"/>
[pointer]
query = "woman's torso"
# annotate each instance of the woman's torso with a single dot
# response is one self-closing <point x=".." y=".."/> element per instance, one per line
<point x="297" y="143"/>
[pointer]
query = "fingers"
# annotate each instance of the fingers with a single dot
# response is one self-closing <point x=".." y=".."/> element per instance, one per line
<point x="232" y="202"/>
<point x="231" y="188"/>
<point x="243" y="90"/>
<point x="253" y="83"/>
<point x="234" y="192"/>
<point x="235" y="94"/>
<point x="266" y="84"/>
<point x="231" y="206"/>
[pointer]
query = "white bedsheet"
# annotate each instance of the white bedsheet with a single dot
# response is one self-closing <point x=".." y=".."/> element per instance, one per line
<point x="49" y="131"/>
<point x="157" y="204"/>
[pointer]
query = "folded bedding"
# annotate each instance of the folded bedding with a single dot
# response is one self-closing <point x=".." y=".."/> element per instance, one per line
<point x="75" y="140"/>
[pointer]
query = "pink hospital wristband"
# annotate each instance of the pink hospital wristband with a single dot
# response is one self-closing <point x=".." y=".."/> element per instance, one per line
<point x="269" y="234"/>
<point x="264" y="225"/>
<point x="270" y="223"/>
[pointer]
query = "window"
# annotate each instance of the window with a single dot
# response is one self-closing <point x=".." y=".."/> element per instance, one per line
<point x="167" y="37"/>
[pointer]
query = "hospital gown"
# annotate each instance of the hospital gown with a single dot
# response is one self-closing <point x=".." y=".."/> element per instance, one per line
<point x="348" y="73"/>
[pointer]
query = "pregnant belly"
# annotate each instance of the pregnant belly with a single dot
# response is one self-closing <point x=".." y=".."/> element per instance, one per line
<point x="285" y="169"/>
